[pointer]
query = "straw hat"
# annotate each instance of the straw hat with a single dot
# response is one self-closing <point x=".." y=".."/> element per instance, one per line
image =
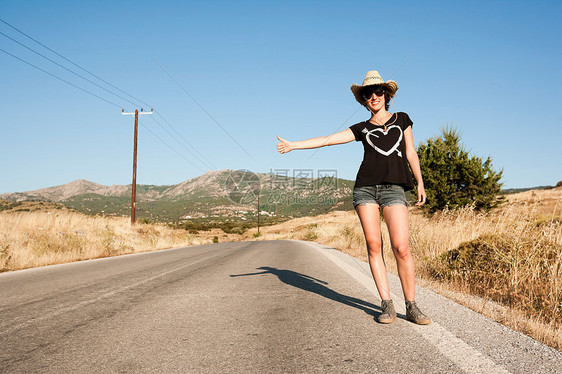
<point x="373" y="78"/>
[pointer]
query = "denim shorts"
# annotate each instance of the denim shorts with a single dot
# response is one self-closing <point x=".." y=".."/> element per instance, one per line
<point x="382" y="194"/>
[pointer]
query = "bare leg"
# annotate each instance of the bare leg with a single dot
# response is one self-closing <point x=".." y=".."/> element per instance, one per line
<point x="370" y="221"/>
<point x="396" y="217"/>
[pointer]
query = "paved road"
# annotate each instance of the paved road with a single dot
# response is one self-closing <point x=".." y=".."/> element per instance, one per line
<point x="249" y="307"/>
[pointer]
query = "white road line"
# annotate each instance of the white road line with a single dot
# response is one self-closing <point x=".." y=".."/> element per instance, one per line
<point x="465" y="356"/>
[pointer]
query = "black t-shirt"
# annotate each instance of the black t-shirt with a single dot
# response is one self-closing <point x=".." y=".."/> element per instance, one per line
<point x="384" y="160"/>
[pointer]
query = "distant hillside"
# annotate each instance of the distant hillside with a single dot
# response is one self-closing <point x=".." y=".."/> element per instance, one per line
<point x="509" y="191"/>
<point x="69" y="190"/>
<point x="30" y="206"/>
<point x="220" y="195"/>
<point x="216" y="194"/>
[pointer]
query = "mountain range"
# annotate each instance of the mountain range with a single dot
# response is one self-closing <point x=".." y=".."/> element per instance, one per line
<point x="221" y="193"/>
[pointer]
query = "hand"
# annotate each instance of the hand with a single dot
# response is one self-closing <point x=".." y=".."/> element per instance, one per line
<point x="284" y="146"/>
<point x="421" y="195"/>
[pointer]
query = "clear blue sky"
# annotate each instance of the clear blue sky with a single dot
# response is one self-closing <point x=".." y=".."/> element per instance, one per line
<point x="260" y="68"/>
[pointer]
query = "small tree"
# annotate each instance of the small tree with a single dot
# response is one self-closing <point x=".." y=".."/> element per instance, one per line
<point x="454" y="179"/>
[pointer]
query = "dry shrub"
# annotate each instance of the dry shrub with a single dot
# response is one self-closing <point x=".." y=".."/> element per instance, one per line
<point x="310" y="233"/>
<point x="351" y="238"/>
<point x="508" y="269"/>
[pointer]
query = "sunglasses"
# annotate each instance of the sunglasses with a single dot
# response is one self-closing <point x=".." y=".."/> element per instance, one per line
<point x="368" y="91"/>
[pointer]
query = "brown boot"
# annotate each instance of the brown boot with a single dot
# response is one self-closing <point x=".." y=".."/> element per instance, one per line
<point x="414" y="314"/>
<point x="388" y="314"/>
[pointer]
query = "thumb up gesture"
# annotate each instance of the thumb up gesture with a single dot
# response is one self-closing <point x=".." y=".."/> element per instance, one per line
<point x="284" y="146"/>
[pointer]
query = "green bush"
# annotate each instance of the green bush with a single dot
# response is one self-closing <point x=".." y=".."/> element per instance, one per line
<point x="453" y="178"/>
<point x="234" y="228"/>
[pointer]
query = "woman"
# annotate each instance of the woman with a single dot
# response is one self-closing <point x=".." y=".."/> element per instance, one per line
<point x="382" y="179"/>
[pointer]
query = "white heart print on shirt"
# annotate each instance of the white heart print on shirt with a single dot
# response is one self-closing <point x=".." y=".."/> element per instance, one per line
<point x="392" y="149"/>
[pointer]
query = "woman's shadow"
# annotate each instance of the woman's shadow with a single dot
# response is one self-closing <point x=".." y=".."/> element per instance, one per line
<point x="317" y="286"/>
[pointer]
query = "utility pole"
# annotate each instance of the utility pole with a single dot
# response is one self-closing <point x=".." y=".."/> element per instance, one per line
<point x="258" y="211"/>
<point x="133" y="197"/>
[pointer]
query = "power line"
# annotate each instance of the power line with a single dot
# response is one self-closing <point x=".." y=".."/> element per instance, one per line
<point x="65" y="68"/>
<point x="209" y="163"/>
<point x="205" y="110"/>
<point x="206" y="162"/>
<point x="101" y="79"/>
<point x="99" y="97"/>
<point x="61" y="56"/>
<point x="400" y="67"/>
<point x="169" y="133"/>
<point x="65" y="81"/>
<point x="344" y="122"/>
<point x="169" y="146"/>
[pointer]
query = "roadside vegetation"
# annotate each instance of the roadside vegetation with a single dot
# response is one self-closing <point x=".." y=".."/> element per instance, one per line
<point x="453" y="178"/>
<point x="38" y="233"/>
<point x="228" y="226"/>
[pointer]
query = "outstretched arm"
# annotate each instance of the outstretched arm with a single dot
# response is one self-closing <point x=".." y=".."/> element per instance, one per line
<point x="341" y="137"/>
<point x="414" y="161"/>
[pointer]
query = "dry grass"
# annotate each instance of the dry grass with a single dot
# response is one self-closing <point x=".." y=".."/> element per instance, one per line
<point x="46" y="237"/>
<point x="510" y="258"/>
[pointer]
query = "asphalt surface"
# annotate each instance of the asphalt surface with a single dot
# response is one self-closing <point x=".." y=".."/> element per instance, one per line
<point x="247" y="307"/>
